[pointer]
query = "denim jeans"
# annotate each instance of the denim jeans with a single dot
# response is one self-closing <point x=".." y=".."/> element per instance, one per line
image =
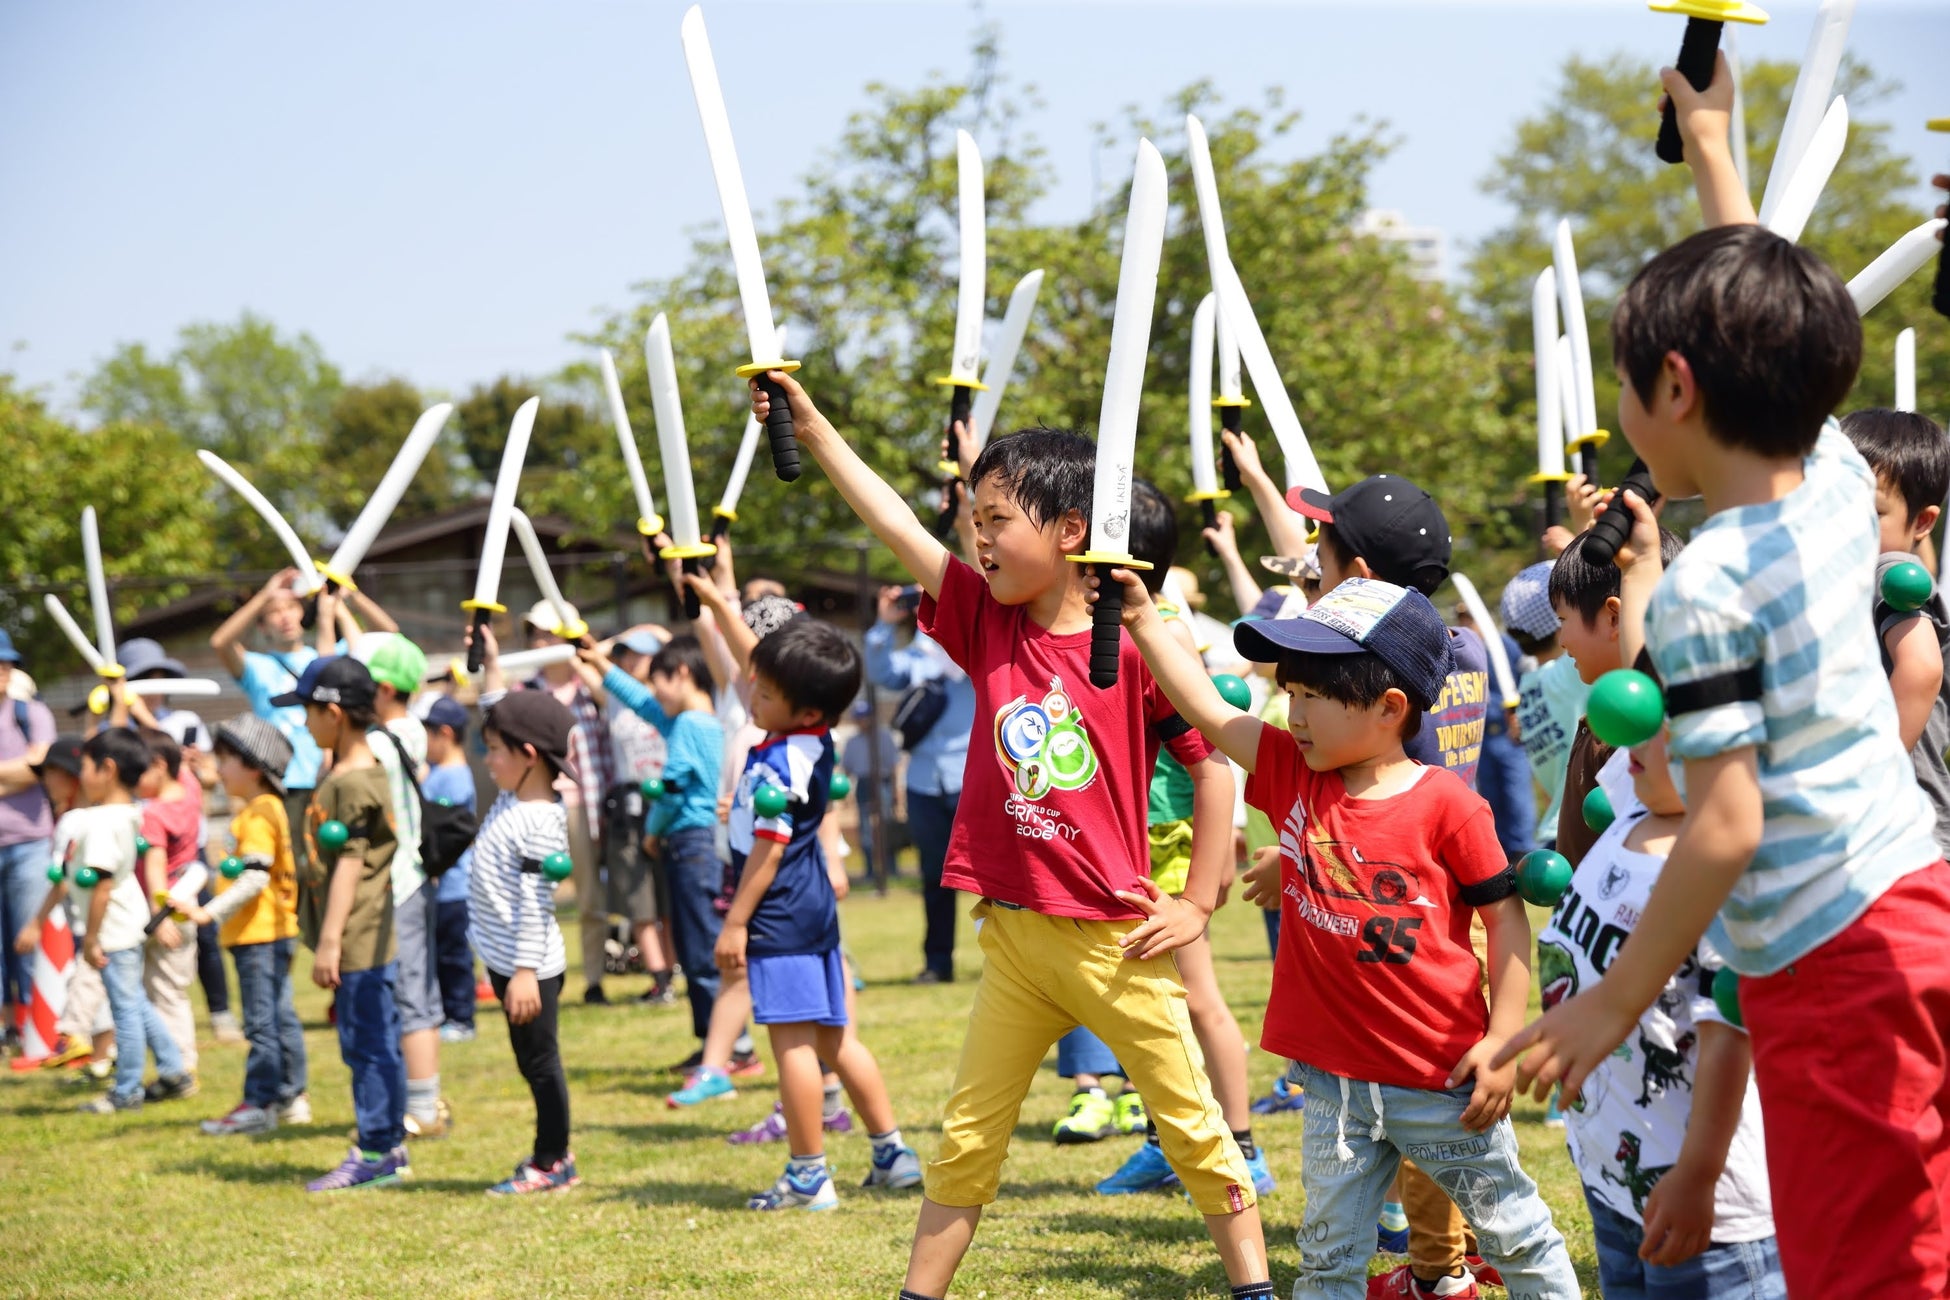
<point x="369" y="1046"/>
<point x="23" y="886"/>
<point x="137" y="1026"/>
<point x="274" y="1072"/>
<point x="454" y="961"/>
<point x="1747" y="1270"/>
<point x="695" y="875"/>
<point x="1352" y="1148"/>
<point x="1082" y="1052"/>
<point x="930" y="817"/>
<point x="1503" y="779"/>
<point x="209" y="961"/>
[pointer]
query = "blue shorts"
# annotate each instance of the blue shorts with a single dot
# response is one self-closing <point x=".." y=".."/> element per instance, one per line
<point x="805" y="989"/>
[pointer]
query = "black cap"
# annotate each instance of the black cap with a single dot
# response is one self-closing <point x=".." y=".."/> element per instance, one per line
<point x="63" y="754"/>
<point x="334" y="679"/>
<point x="1389" y="522"/>
<point x="535" y="718"/>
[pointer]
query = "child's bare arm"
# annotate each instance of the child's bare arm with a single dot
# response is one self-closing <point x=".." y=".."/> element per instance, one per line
<point x="1915" y="674"/>
<point x="761" y="865"/>
<point x="338" y="909"/>
<point x="1506" y="930"/>
<point x="1212" y="799"/>
<point x="738" y="639"/>
<point x="1704" y="118"/>
<point x="1679" y="1213"/>
<point x="1284" y="528"/>
<point x="880" y="507"/>
<point x="1225" y="540"/>
<point x="1182" y="677"/>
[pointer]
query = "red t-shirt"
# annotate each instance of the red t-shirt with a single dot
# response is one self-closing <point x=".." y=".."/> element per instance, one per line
<point x="1375" y="977"/>
<point x="172" y="825"/>
<point x="1052" y="812"/>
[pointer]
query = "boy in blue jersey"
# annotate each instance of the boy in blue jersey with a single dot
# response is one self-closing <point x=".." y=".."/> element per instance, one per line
<point x="783" y="927"/>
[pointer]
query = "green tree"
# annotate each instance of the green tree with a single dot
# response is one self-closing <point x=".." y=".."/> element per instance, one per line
<point x="363" y="432"/>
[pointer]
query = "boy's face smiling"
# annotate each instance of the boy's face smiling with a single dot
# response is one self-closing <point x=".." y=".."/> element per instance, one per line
<point x="1020" y="560"/>
<point x="1593" y="646"/>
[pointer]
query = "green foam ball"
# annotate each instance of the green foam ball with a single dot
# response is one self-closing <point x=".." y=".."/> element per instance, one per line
<point x="1906" y="586"/>
<point x="1542" y="877"/>
<point x="768" y="801"/>
<point x="557" y="866"/>
<point x="87" y="877"/>
<point x="141" y="847"/>
<point x="1598" y="812"/>
<point x="232" y="867"/>
<point x="1726" y="995"/>
<point x="1625" y="708"/>
<point x="652" y="788"/>
<point x="840" y="786"/>
<point x="333" y="835"/>
<point x="55" y="875"/>
<point x="1233" y="690"/>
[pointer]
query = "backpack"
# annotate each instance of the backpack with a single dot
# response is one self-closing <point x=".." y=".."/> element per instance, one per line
<point x="446" y="830"/>
<point x="918" y="712"/>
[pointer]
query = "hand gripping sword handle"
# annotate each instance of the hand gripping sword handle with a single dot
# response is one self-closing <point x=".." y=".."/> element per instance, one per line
<point x="958" y="403"/>
<point x="720" y="529"/>
<point x="1553" y="504"/>
<point x="477" y="646"/>
<point x="1697" y="50"/>
<point x="778" y="430"/>
<point x="1615" y="525"/>
<point x="1231" y="419"/>
<point x="1210" y="509"/>
<point x="692" y="610"/>
<point x="1106" y="627"/>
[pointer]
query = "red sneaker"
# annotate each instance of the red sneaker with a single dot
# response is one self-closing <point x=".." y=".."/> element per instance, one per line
<point x="1485" y="1275"/>
<point x="1400" y="1284"/>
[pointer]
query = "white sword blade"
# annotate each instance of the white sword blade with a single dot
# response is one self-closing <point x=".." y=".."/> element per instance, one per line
<point x="973" y="296"/>
<point x="439" y="666"/>
<point x="1205" y="478"/>
<point x="1543" y="336"/>
<point x="187" y="687"/>
<point x="1802" y="190"/>
<point x="1506" y="683"/>
<point x="494" y="543"/>
<point x="737" y="209"/>
<point x="741" y="468"/>
<point x="1813" y="87"/>
<point x="91" y="554"/>
<point x="1130" y="339"/>
<point x="1898" y="262"/>
<point x="1567" y="397"/>
<point x="1212" y="224"/>
<point x="1002" y="360"/>
<point x="309" y="579"/>
<point x="676" y="452"/>
<point x="1570" y="296"/>
<point x="72" y="630"/>
<point x="1906" y="370"/>
<point x="539" y="569"/>
<point x="1737" y="132"/>
<point x="380" y="505"/>
<point x="648" y="520"/>
<point x="1302" y="470"/>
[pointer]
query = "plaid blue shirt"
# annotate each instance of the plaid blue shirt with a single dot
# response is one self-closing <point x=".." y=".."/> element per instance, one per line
<point x="1766" y="612"/>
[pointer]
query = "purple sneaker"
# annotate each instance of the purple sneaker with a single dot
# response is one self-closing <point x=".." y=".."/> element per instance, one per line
<point x="838" y="1122"/>
<point x="772" y="1127"/>
<point x="358" y="1172"/>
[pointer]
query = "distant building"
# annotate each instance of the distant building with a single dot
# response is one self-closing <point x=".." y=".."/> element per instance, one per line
<point x="1423" y="245"/>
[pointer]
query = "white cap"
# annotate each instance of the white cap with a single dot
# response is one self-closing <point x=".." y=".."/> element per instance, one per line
<point x="542" y="615"/>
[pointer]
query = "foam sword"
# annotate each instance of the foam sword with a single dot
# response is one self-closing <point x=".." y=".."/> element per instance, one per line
<point x="567" y="625"/>
<point x="1206" y="492"/>
<point x="1809" y="105"/>
<point x="1479" y="614"/>
<point x="725" y="513"/>
<point x="1231" y="401"/>
<point x="309" y="578"/>
<point x="686" y="543"/>
<point x="1130" y="338"/>
<point x="1002" y="358"/>
<point x="1940" y="295"/>
<point x="743" y="237"/>
<point x="1897" y="263"/>
<point x="482" y="606"/>
<point x="1697" y="48"/>
<point x="1550" y="417"/>
<point x="91" y="554"/>
<point x="962" y="379"/>
<point x="1906" y="373"/>
<point x="648" y="521"/>
<point x="1583" y="437"/>
<point x="380" y="505"/>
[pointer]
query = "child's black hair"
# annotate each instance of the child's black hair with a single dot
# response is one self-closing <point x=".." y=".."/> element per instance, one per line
<point x="120" y="749"/>
<point x="362" y="719"/>
<point x="1154" y="533"/>
<point x="685" y="653"/>
<point x="1581" y="583"/>
<point x="1047" y="472"/>
<point x="1533" y="645"/>
<point x="1909" y="452"/>
<point x="813" y="665"/>
<point x="1425" y="579"/>
<point x="1357" y="679"/>
<point x="161" y="744"/>
<point x="1768" y="328"/>
<point x="219" y="746"/>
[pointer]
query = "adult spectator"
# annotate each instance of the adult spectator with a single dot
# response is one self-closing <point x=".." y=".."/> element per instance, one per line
<point x="26" y="827"/>
<point x="857" y="759"/>
<point x="938" y="711"/>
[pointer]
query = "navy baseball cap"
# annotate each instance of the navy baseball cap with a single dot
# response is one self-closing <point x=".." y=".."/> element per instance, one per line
<point x="333" y="679"/>
<point x="1397" y="625"/>
<point x="1387" y="521"/>
<point x="445" y="711"/>
<point x="8" y="655"/>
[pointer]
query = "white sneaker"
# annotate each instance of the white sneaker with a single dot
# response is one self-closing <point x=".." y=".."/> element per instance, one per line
<point x="894" y="1169"/>
<point x="791" y="1193"/>
<point x="295" y="1111"/>
<point x="224" y="1027"/>
<point x="243" y="1119"/>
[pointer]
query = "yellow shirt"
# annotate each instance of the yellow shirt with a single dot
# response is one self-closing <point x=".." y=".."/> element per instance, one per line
<point x="261" y="833"/>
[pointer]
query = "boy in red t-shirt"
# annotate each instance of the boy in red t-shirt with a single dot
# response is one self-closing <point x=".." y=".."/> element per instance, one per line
<point x="1382" y="861"/>
<point x="1051" y="835"/>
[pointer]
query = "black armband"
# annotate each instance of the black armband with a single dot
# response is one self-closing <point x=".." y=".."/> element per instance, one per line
<point x="1741" y="686"/>
<point x="1171" y="728"/>
<point x="1494" y="890"/>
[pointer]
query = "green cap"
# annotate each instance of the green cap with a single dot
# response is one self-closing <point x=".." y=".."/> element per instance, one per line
<point x="392" y="659"/>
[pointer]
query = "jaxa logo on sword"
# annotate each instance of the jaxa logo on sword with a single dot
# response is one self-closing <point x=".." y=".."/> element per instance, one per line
<point x="1042" y="744"/>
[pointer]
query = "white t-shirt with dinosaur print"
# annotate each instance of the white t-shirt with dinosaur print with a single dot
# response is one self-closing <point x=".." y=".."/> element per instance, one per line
<point x="1627" y="1128"/>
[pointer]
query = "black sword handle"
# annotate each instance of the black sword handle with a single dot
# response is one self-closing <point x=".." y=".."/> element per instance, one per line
<point x="1553" y="504"/>
<point x="778" y="429"/>
<point x="1615" y="525"/>
<point x="1697" y="50"/>
<point x="1588" y="462"/>
<point x="477" y="648"/>
<point x="692" y="609"/>
<point x="1232" y="419"/>
<point x="1106" y="627"/>
<point x="1940" y="297"/>
<point x="1210" y="509"/>
<point x="958" y="403"/>
<point x="720" y="529"/>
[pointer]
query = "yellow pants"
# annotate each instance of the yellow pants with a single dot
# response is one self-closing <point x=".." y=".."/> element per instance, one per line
<point x="1043" y="976"/>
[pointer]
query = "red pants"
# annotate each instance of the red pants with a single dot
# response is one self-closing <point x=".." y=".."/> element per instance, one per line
<point x="1850" y="1052"/>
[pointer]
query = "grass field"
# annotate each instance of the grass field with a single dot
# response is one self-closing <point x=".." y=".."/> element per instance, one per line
<point x="144" y="1205"/>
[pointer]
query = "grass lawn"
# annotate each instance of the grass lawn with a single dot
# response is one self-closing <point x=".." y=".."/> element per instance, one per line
<point x="146" y="1205"/>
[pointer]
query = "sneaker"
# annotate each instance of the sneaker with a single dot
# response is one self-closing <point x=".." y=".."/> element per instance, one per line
<point x="173" y="1087"/>
<point x="1400" y="1284"/>
<point x="1146" y="1171"/>
<point x="297" y="1111"/>
<point x="1553" y="1117"/>
<point x="688" y="1066"/>
<point x="704" y="1085"/>
<point x="769" y="1129"/>
<point x="71" y="1050"/>
<point x="1483" y="1273"/>
<point x="100" y="1069"/>
<point x="1130" y="1112"/>
<point x="224" y="1027"/>
<point x="814" y="1192"/>
<point x="838" y="1122"/>
<point x="558" y="1177"/>
<point x="439" y="1126"/>
<point x="932" y="976"/>
<point x="243" y="1118"/>
<point x="355" y="1172"/>
<point x="593" y="996"/>
<point x="657" y="995"/>
<point x="746" y="1065"/>
<point x="1285" y="1096"/>
<point x="106" y="1104"/>
<point x="1092" y="1118"/>
<point x="1263" y="1180"/>
<point x="1390" y="1241"/>
<point x="894" y="1168"/>
<point x="455" y="1032"/>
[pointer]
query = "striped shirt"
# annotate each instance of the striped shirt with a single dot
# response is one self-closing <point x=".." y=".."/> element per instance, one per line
<point x="1765" y="616"/>
<point x="511" y="911"/>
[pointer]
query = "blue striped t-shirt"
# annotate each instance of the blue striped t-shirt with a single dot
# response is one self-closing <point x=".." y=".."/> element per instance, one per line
<point x="1784" y="588"/>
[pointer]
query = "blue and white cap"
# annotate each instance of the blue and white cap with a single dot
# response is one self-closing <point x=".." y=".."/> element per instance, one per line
<point x="1397" y="625"/>
<point x="1526" y="604"/>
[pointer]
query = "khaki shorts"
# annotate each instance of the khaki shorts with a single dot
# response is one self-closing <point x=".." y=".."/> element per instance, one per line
<point x="1171" y="855"/>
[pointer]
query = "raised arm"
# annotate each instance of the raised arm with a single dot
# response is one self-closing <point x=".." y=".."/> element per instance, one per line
<point x="1704" y="118"/>
<point x="892" y="520"/>
<point x="1225" y="540"/>
<point x="1182" y="677"/>
<point x="228" y="639"/>
<point x="369" y="609"/>
<point x="738" y="639"/>
<point x="1283" y="527"/>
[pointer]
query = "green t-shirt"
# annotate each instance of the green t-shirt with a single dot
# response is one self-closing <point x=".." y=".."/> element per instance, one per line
<point x="1171" y="791"/>
<point x="1260" y="831"/>
<point x="361" y="798"/>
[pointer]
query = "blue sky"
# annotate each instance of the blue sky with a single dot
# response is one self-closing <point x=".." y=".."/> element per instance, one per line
<point x="445" y="191"/>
